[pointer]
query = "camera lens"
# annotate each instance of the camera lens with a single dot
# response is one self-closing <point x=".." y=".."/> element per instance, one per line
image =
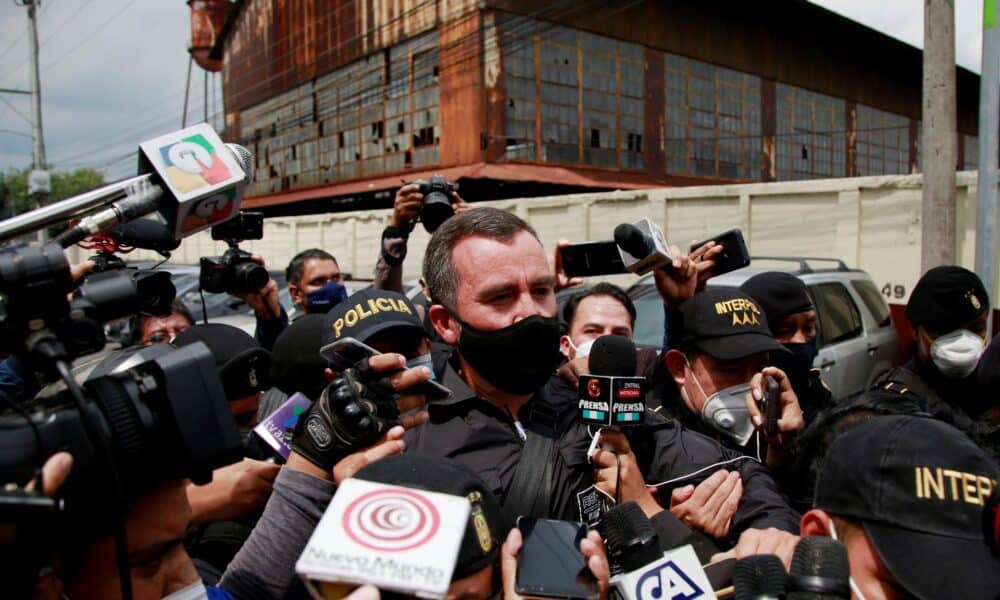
<point x="249" y="277"/>
<point x="437" y="209"/>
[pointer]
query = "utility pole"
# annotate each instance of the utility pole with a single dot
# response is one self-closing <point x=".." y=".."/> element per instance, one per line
<point x="939" y="144"/>
<point x="39" y="179"/>
<point x="989" y="121"/>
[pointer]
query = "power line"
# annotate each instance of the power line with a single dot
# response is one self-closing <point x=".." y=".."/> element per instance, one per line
<point x="88" y="37"/>
<point x="14" y="108"/>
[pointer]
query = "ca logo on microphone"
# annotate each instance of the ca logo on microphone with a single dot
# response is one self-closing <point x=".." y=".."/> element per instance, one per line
<point x="666" y="581"/>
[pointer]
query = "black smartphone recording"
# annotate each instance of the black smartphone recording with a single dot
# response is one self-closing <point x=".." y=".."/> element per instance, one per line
<point x="550" y="564"/>
<point x="588" y="259"/>
<point x="735" y="254"/>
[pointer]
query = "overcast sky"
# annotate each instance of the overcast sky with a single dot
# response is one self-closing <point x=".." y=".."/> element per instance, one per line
<point x="113" y="72"/>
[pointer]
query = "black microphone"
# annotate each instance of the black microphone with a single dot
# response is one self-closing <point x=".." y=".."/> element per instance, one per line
<point x="631" y="541"/>
<point x="760" y="577"/>
<point x="612" y="356"/>
<point x="142" y="199"/>
<point x="820" y="570"/>
<point x="146" y="234"/>
<point x="632" y="240"/>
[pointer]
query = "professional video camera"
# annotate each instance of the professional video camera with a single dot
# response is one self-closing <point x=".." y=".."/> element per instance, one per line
<point x="34" y="285"/>
<point x="165" y="418"/>
<point x="235" y="272"/>
<point x="437" y="201"/>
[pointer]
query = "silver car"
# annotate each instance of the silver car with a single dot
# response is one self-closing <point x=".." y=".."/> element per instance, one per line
<point x="856" y="338"/>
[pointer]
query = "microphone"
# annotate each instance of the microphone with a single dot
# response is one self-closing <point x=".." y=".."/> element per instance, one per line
<point x="642" y="246"/>
<point x="203" y="177"/>
<point x="613" y="356"/>
<point x="630" y="538"/>
<point x="141" y="199"/>
<point x="146" y="234"/>
<point x="612" y="394"/>
<point x="760" y="577"/>
<point x="820" y="570"/>
<point x="199" y="178"/>
<point x="643" y="570"/>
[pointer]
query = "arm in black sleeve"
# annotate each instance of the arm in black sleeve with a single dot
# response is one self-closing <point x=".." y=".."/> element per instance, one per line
<point x="268" y="330"/>
<point x="389" y="267"/>
<point x="681" y="457"/>
<point x="265" y="565"/>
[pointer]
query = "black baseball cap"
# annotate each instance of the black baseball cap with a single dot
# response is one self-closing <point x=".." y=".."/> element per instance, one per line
<point x="244" y="366"/>
<point x="296" y="365"/>
<point x="919" y="487"/>
<point x="368" y="312"/>
<point x="945" y="298"/>
<point x="726" y="324"/>
<point x="779" y="294"/>
<point x="483" y="533"/>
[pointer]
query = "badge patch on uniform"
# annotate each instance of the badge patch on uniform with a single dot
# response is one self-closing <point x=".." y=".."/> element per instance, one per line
<point x="592" y="504"/>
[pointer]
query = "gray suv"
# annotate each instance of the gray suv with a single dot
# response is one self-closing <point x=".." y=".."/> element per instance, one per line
<point x="857" y="340"/>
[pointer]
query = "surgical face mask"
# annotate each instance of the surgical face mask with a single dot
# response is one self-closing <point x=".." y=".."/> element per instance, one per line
<point x="325" y="298"/>
<point x="956" y="354"/>
<point x="194" y="591"/>
<point x="726" y="412"/>
<point x="423" y="360"/>
<point x="850" y="580"/>
<point x="583" y="350"/>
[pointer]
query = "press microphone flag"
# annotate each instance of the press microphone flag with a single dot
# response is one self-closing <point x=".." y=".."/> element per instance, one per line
<point x="203" y="177"/>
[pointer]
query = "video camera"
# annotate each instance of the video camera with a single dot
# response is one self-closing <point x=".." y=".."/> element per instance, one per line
<point x="235" y="272"/>
<point x="437" y="201"/>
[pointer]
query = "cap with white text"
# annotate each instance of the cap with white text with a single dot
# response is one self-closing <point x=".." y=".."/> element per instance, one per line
<point x="726" y="324"/>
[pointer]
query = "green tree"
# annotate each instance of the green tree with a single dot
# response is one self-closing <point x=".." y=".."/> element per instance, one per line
<point x="14" y="189"/>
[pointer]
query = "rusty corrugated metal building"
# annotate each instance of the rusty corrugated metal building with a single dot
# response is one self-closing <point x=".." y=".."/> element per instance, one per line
<point x="340" y="100"/>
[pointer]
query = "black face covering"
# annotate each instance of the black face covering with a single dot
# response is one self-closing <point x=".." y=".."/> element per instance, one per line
<point x="518" y="359"/>
<point x="797" y="364"/>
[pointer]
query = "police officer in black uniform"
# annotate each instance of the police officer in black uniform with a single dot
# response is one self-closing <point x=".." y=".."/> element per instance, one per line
<point x="493" y="300"/>
<point x="791" y="317"/>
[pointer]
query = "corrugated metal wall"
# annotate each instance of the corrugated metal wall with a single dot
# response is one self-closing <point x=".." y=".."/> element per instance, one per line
<point x="869" y="222"/>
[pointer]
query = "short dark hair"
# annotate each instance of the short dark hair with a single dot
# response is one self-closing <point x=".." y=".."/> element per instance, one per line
<point x="439" y="269"/>
<point x="293" y="274"/>
<point x="600" y="289"/>
<point x="139" y="320"/>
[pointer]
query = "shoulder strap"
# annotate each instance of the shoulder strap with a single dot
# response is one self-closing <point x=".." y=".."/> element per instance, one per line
<point x="530" y="491"/>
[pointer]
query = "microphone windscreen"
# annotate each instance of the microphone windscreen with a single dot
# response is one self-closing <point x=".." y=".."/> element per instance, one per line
<point x="819" y="570"/>
<point x="144" y="233"/>
<point x="759" y="576"/>
<point x="612" y="356"/>
<point x="630" y="537"/>
<point x="245" y="159"/>
<point x="632" y="240"/>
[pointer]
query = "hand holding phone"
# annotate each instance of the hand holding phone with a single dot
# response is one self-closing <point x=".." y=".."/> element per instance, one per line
<point x="347" y="352"/>
<point x="771" y="405"/>
<point x="551" y="564"/>
<point x="735" y="254"/>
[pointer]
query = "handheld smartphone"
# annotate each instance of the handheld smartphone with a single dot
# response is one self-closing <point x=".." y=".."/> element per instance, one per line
<point x="587" y="259"/>
<point x="551" y="564"/>
<point x="347" y="352"/>
<point x="734" y="251"/>
<point x="771" y="407"/>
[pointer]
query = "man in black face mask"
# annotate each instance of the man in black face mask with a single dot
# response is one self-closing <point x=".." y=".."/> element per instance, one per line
<point x="791" y="318"/>
<point x="493" y="302"/>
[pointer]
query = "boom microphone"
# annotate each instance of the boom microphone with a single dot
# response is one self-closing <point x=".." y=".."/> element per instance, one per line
<point x="820" y="570"/>
<point x="142" y="198"/>
<point x="146" y="234"/>
<point x="760" y="577"/>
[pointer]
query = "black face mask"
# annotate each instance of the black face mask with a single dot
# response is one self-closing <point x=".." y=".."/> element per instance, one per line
<point x="798" y="364"/>
<point x="518" y="359"/>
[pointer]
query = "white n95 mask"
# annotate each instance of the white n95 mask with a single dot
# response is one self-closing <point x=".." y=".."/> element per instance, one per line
<point x="957" y="354"/>
<point x="583" y="350"/>
<point x="726" y="412"/>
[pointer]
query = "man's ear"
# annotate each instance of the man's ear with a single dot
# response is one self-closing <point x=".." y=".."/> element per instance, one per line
<point x="675" y="362"/>
<point x="445" y="324"/>
<point x="815" y="522"/>
<point x="296" y="293"/>
<point x="564" y="347"/>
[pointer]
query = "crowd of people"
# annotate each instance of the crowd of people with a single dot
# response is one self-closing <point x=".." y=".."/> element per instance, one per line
<point x="903" y="476"/>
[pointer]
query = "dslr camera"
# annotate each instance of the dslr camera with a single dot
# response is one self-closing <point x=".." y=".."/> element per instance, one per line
<point x="234" y="272"/>
<point x="437" y="201"/>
